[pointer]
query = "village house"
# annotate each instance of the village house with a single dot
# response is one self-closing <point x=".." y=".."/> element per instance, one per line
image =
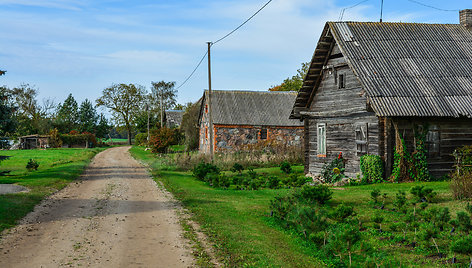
<point x="241" y="118"/>
<point x="173" y="118"/>
<point x="371" y="84"/>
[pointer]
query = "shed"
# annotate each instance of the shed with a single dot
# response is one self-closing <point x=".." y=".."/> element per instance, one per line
<point x="241" y="118"/>
<point x="34" y="141"/>
<point x="372" y="84"/>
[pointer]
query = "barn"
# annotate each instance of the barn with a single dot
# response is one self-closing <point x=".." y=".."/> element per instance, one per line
<point x="371" y="85"/>
<point x="242" y="118"/>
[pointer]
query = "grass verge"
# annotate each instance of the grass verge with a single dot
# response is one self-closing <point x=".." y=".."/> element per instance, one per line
<point x="57" y="168"/>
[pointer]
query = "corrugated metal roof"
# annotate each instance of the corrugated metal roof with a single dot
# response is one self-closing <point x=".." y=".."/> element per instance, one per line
<point x="258" y="108"/>
<point x="407" y="69"/>
<point x="411" y="69"/>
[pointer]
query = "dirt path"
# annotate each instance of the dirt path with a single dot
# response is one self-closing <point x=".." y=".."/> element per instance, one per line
<point x="115" y="216"/>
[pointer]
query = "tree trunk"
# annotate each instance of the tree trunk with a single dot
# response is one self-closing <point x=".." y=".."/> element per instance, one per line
<point x="129" y="135"/>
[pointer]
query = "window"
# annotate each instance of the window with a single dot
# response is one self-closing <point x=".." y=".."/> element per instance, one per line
<point x="263" y="134"/>
<point x="341" y="81"/>
<point x="321" y="140"/>
<point x="361" y="139"/>
<point x="433" y="141"/>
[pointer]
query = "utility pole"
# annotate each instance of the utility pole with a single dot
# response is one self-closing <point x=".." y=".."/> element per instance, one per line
<point x="381" y="9"/>
<point x="147" y="110"/>
<point x="162" y="110"/>
<point x="210" y="120"/>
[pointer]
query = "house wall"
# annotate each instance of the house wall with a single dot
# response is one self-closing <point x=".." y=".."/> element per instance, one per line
<point x="231" y="137"/>
<point x="453" y="133"/>
<point x="340" y="110"/>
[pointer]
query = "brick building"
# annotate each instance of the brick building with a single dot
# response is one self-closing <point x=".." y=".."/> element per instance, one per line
<point x="242" y="118"/>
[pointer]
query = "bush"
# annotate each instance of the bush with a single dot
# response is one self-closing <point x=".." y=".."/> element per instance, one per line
<point x="463" y="245"/>
<point x="273" y="182"/>
<point x="461" y="185"/>
<point x="372" y="168"/>
<point x="295" y="180"/>
<point x="218" y="180"/>
<point x="160" y="139"/>
<point x="311" y="194"/>
<point x="140" y="139"/>
<point x="32" y="165"/>
<point x="333" y="171"/>
<point x="237" y="168"/>
<point x="55" y="139"/>
<point x="201" y="170"/>
<point x="286" y="167"/>
<point x="423" y="194"/>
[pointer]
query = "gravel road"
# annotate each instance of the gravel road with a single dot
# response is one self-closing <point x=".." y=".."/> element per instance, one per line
<point x="113" y="216"/>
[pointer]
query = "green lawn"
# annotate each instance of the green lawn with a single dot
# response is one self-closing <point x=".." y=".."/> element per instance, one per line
<point x="239" y="225"/>
<point x="57" y="167"/>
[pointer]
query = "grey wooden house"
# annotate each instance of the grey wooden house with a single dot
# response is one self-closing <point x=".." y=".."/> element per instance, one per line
<point x="370" y="82"/>
<point x="241" y="118"/>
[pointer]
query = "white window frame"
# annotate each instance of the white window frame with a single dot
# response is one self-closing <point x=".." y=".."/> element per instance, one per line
<point x="362" y="138"/>
<point x="321" y="139"/>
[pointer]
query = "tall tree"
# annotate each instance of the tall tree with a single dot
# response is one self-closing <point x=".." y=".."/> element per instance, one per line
<point x="88" y="117"/>
<point x="27" y="111"/>
<point x="103" y="127"/>
<point x="164" y="90"/>
<point x="190" y="125"/>
<point x="124" y="101"/>
<point x="295" y="82"/>
<point x="67" y="117"/>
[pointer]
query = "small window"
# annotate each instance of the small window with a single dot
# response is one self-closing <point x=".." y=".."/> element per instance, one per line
<point x="263" y="134"/>
<point x="321" y="140"/>
<point x="433" y="141"/>
<point x="206" y="108"/>
<point x="361" y="139"/>
<point x="341" y="81"/>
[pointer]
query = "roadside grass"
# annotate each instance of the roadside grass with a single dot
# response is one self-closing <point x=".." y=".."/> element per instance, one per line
<point x="57" y="168"/>
<point x="239" y="225"/>
<point x="177" y="148"/>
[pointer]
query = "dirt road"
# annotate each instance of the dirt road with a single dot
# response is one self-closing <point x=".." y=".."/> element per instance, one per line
<point x="114" y="216"/>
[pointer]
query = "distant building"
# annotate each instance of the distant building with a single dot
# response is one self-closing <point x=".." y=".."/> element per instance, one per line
<point x="173" y="118"/>
<point x="34" y="141"/>
<point x="242" y="118"/>
<point x="372" y="84"/>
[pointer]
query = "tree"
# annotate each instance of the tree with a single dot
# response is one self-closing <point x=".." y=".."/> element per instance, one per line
<point x="295" y="82"/>
<point x="7" y="122"/>
<point x="67" y="117"/>
<point x="190" y="125"/>
<point x="124" y="101"/>
<point x="103" y="127"/>
<point x="88" y="117"/>
<point x="166" y="91"/>
<point x="27" y="111"/>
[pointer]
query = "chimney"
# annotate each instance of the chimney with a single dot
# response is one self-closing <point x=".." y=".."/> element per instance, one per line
<point x="465" y="18"/>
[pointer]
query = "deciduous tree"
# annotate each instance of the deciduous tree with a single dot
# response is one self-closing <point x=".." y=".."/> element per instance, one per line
<point x="295" y="82"/>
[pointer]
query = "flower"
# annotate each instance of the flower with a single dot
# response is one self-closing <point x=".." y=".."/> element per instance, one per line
<point x="336" y="170"/>
<point x="340" y="156"/>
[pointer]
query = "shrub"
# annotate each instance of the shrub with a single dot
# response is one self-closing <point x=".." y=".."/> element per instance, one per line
<point x="237" y="168"/>
<point x="201" y="170"/>
<point x="400" y="201"/>
<point x="333" y="171"/>
<point x="140" y="139"/>
<point x="374" y="195"/>
<point x="160" y="139"/>
<point x="311" y="194"/>
<point x="463" y="245"/>
<point x="341" y="212"/>
<point x="372" y="168"/>
<point x="295" y="180"/>
<point x="218" y="180"/>
<point x="461" y="185"/>
<point x="32" y="165"/>
<point x="423" y="194"/>
<point x="463" y="156"/>
<point x="286" y="167"/>
<point x="55" y="139"/>
<point x="273" y="182"/>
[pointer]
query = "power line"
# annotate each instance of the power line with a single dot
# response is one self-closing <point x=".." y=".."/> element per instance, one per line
<point x="341" y="13"/>
<point x="433" y="7"/>
<point x="194" y="70"/>
<point x="237" y="28"/>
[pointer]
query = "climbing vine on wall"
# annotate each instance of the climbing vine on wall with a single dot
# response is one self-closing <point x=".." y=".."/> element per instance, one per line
<point x="420" y="161"/>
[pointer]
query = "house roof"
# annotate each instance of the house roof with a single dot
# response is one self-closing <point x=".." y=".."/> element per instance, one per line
<point x="406" y="69"/>
<point x="174" y="116"/>
<point x="258" y="108"/>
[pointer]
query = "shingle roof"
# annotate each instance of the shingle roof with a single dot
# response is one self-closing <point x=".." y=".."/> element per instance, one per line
<point x="407" y="69"/>
<point x="258" y="108"/>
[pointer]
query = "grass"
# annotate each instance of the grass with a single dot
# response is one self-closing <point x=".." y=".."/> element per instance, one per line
<point x="57" y="167"/>
<point x="239" y="225"/>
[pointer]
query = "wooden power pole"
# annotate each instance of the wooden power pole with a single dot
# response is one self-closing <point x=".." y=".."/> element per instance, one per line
<point x="210" y="120"/>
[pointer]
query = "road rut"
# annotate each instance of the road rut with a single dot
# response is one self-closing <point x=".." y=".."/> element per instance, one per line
<point x="113" y="216"/>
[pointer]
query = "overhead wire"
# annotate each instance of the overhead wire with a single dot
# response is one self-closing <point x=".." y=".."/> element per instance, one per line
<point x="341" y="13"/>
<point x="221" y="39"/>
<point x="433" y="7"/>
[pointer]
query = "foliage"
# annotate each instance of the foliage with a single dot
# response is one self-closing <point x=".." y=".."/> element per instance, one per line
<point x="87" y="117"/>
<point x="67" y="117"/>
<point x="462" y="245"/>
<point x="372" y="168"/>
<point x="237" y="168"/>
<point x="374" y="195"/>
<point x="400" y="201"/>
<point x="314" y="194"/>
<point x="190" y="125"/>
<point x="286" y="167"/>
<point x="160" y="139"/>
<point x="124" y="101"/>
<point x="81" y="139"/>
<point x="55" y="140"/>
<point x="342" y="212"/>
<point x="461" y="179"/>
<point x="163" y="89"/>
<point x="273" y="182"/>
<point x="419" y="157"/>
<point x="423" y="194"/>
<point x="295" y="180"/>
<point x="103" y="127"/>
<point x="295" y="82"/>
<point x="141" y="120"/>
<point x="7" y="122"/>
<point x="32" y="165"/>
<point x="201" y="170"/>
<point x="141" y="139"/>
<point x="463" y="157"/>
<point x="333" y="171"/>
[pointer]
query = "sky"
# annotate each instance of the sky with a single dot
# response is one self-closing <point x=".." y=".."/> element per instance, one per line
<point x="83" y="46"/>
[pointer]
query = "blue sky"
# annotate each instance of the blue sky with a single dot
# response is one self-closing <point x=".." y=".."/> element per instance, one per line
<point x="82" y="47"/>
